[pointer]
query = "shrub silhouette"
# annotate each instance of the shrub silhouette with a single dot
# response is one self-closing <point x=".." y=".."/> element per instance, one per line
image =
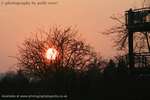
<point x="94" y="83"/>
<point x="110" y="70"/>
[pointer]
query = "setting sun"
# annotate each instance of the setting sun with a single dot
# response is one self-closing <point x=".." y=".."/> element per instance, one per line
<point x="51" y="54"/>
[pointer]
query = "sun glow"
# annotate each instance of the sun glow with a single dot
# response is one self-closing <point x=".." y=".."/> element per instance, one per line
<point x="51" y="54"/>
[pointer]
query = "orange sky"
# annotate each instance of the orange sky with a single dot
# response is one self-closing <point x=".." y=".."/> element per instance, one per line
<point x="91" y="17"/>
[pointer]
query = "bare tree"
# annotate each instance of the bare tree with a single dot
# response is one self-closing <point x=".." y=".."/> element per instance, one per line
<point x="73" y="53"/>
<point x="118" y="31"/>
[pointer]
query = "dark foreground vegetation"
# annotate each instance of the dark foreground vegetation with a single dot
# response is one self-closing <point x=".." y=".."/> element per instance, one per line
<point x="77" y="72"/>
<point x="115" y="82"/>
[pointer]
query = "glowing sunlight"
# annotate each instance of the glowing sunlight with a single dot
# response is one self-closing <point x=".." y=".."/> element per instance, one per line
<point x="51" y="54"/>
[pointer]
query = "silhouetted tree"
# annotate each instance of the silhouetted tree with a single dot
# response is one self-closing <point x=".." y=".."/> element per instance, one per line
<point x="14" y="80"/>
<point x="122" y="67"/>
<point x="110" y="70"/>
<point x="73" y="52"/>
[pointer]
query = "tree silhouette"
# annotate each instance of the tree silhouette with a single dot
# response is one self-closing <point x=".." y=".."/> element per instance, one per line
<point x="73" y="53"/>
<point x="110" y="70"/>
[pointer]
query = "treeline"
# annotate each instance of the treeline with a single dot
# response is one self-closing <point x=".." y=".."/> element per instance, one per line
<point x="115" y="81"/>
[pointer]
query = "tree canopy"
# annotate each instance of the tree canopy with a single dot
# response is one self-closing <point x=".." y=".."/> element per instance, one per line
<point x="73" y="53"/>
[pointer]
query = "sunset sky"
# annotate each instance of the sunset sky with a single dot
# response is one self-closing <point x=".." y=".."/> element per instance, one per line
<point x="90" y="17"/>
